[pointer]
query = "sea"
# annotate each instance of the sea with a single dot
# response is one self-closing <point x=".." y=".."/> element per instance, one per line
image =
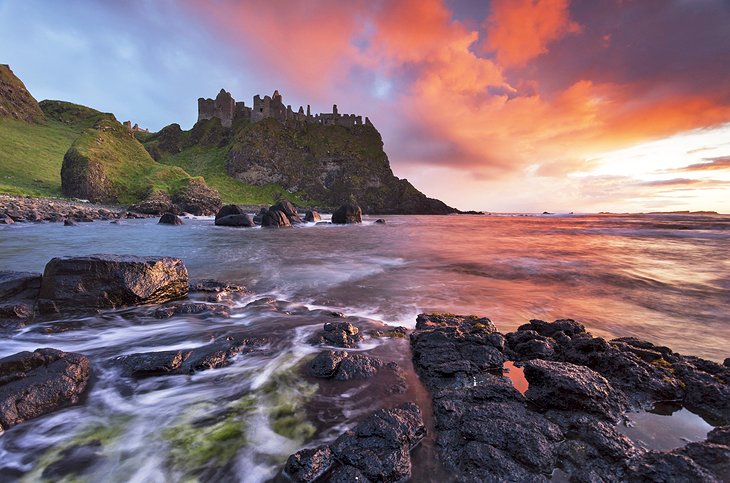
<point x="660" y="277"/>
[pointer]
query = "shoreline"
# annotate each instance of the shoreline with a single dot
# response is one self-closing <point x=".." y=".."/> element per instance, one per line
<point x="471" y="421"/>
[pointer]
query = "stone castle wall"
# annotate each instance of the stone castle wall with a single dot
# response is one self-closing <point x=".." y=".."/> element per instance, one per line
<point x="225" y="108"/>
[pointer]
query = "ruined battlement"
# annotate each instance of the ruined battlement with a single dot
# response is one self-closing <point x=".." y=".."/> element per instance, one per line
<point x="225" y="108"/>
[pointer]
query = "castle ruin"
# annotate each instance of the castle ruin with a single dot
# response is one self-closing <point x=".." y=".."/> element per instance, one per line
<point x="225" y="108"/>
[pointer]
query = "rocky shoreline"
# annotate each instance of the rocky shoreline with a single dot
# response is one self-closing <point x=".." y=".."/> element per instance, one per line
<point x="474" y="421"/>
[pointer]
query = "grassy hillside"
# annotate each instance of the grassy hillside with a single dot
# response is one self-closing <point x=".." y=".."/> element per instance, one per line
<point x="111" y="165"/>
<point x="32" y="154"/>
<point x="203" y="151"/>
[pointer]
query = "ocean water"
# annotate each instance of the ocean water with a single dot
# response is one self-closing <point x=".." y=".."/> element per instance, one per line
<point x="663" y="278"/>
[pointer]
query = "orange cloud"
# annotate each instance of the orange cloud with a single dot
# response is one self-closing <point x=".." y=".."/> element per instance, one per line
<point x="520" y="30"/>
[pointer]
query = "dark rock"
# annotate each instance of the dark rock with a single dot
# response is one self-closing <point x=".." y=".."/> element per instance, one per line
<point x="258" y="217"/>
<point x="706" y="388"/>
<point x="357" y="366"/>
<point x="15" y="315"/>
<point x="289" y="210"/>
<point x="348" y="474"/>
<point x="312" y="216"/>
<point x="170" y="219"/>
<point x="19" y="285"/>
<point x="156" y="203"/>
<point x="713" y="457"/>
<point x="347" y="214"/>
<point x="74" y="460"/>
<point x="309" y="464"/>
<point x="198" y="198"/>
<point x="5" y="220"/>
<point x="107" y="281"/>
<point x="380" y="221"/>
<point x="186" y="361"/>
<point x="379" y="446"/>
<point x="343" y="366"/>
<point x="36" y="383"/>
<point x="243" y="220"/>
<point x="323" y="223"/>
<point x="562" y="385"/>
<point x="338" y="334"/>
<point x="214" y="286"/>
<point x="275" y="218"/>
<point x="667" y="467"/>
<point x="68" y="222"/>
<point x="449" y="346"/>
<point x="726" y="362"/>
<point x="192" y="308"/>
<point x="228" y="210"/>
<point x="326" y="363"/>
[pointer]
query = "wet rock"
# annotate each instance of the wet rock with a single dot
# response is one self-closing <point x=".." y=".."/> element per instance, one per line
<point x="312" y="216"/>
<point x="562" y="385"/>
<point x="170" y="219"/>
<point x="258" y="217"/>
<point x="216" y="291"/>
<point x="309" y="464"/>
<point x="711" y="456"/>
<point x="192" y="308"/>
<point x="228" y="210"/>
<point x="15" y="315"/>
<point x="667" y="467"/>
<point x="19" y="285"/>
<point x="198" y="198"/>
<point x="323" y="223"/>
<point x="185" y="361"/>
<point x="326" y="363"/>
<point x="5" y="220"/>
<point x="347" y="474"/>
<point x="380" y="221"/>
<point x="343" y="366"/>
<point x="68" y="222"/>
<point x="92" y="282"/>
<point x="36" y="383"/>
<point x="379" y="446"/>
<point x="74" y="461"/>
<point x="347" y="214"/>
<point x="338" y="334"/>
<point x="706" y="388"/>
<point x="289" y="210"/>
<point x="274" y="219"/>
<point x="242" y="220"/>
<point x="450" y="346"/>
<point x="156" y="203"/>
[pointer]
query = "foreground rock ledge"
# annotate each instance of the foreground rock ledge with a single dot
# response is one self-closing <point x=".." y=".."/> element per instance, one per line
<point x="579" y="388"/>
<point x="36" y="383"/>
<point x="75" y="284"/>
<point x="377" y="449"/>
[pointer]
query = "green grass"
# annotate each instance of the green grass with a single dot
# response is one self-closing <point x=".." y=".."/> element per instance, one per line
<point x="31" y="156"/>
<point x="128" y="166"/>
<point x="210" y="163"/>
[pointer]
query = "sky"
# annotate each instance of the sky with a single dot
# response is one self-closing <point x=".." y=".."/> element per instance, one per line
<point x="501" y="105"/>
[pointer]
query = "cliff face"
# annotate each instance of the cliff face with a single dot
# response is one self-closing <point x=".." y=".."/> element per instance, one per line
<point x="325" y="163"/>
<point x="15" y="100"/>
<point x="328" y="165"/>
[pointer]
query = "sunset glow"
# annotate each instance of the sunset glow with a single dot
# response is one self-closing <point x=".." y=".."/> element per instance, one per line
<point x="524" y="105"/>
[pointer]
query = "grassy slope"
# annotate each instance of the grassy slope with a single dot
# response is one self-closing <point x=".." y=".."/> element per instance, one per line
<point x="210" y="163"/>
<point x="31" y="156"/>
<point x="127" y="164"/>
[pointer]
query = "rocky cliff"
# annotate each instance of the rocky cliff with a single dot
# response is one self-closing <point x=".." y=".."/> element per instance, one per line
<point x="15" y="100"/>
<point x="322" y="165"/>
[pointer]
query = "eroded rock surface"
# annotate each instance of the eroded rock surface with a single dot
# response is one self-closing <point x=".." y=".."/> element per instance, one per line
<point x="376" y="449"/>
<point x="579" y="386"/>
<point x="36" y="383"/>
<point x="74" y="284"/>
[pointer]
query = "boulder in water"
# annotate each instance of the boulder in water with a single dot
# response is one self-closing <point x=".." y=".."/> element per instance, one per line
<point x="289" y="210"/>
<point x="229" y="210"/>
<point x="347" y="214"/>
<point x="242" y="220"/>
<point x="36" y="383"/>
<point x="275" y="219"/>
<point x="73" y="284"/>
<point x="312" y="216"/>
<point x="170" y="219"/>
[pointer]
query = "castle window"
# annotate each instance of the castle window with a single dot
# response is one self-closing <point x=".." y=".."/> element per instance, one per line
<point x="261" y="110"/>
